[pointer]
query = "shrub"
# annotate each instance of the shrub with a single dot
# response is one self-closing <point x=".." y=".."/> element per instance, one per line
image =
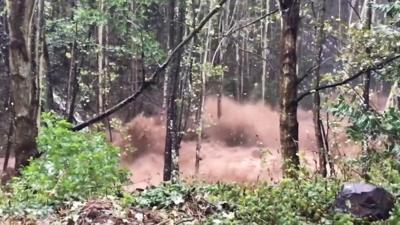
<point x="72" y="166"/>
<point x="165" y="196"/>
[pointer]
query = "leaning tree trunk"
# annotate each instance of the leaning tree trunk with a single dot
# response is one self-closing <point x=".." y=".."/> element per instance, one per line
<point x="24" y="86"/>
<point x="289" y="131"/>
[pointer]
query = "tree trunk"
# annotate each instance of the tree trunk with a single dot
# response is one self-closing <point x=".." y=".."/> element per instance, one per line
<point x="264" y="53"/>
<point x="47" y="89"/>
<point x="201" y="96"/>
<point x="224" y="23"/>
<point x="24" y="86"/>
<point x="353" y="8"/>
<point x="289" y="133"/>
<point x="100" y="64"/>
<point x="317" y="98"/>
<point x="41" y="57"/>
<point x="172" y="145"/>
<point x="4" y="56"/>
<point x="237" y="73"/>
<point x="73" y="85"/>
<point x="366" y="89"/>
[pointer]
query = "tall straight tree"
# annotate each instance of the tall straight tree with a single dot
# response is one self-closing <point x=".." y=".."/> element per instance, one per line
<point x="4" y="59"/>
<point x="367" y="25"/>
<point x="100" y="61"/>
<point x="289" y="128"/>
<point x="265" y="50"/>
<point x="24" y="85"/>
<point x="319" y="138"/>
<point x="172" y="145"/>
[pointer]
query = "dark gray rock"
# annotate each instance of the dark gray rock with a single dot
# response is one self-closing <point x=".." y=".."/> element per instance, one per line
<point x="365" y="201"/>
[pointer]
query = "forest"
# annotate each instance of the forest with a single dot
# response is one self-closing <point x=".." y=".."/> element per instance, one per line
<point x="186" y="112"/>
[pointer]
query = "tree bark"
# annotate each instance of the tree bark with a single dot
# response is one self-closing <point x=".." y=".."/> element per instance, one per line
<point x="73" y="85"/>
<point x="172" y="145"/>
<point x="24" y="87"/>
<point x="201" y="97"/>
<point x="4" y="57"/>
<point x="265" y="51"/>
<point x="224" y="24"/>
<point x="39" y="40"/>
<point x="317" y="98"/>
<point x="100" y="64"/>
<point x="366" y="89"/>
<point x="289" y="133"/>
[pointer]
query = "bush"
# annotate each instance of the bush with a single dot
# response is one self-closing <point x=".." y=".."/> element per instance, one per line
<point x="301" y="201"/>
<point x="73" y="166"/>
<point x="165" y="196"/>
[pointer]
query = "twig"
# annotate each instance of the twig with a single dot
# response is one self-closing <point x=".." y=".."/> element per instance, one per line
<point x="184" y="221"/>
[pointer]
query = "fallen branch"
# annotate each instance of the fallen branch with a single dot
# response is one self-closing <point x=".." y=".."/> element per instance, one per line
<point x="355" y="76"/>
<point x="148" y="82"/>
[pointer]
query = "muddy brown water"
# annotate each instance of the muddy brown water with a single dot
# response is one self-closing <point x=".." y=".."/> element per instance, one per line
<point x="243" y="146"/>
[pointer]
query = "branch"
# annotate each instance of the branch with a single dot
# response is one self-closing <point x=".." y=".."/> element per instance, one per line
<point x="354" y="9"/>
<point x="150" y="81"/>
<point x="355" y="76"/>
<point x="232" y="30"/>
<point x="251" y="22"/>
<point x="311" y="70"/>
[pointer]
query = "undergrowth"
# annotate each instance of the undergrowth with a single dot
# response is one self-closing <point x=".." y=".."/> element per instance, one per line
<point x="73" y="166"/>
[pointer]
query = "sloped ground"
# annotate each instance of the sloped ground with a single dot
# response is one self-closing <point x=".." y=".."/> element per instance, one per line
<point x="194" y="210"/>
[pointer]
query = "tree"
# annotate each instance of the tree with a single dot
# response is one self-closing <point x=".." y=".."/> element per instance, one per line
<point x="319" y="137"/>
<point x="172" y="145"/>
<point x="367" y="24"/>
<point x="24" y="86"/>
<point x="289" y="131"/>
<point x="265" y="50"/>
<point x="42" y="59"/>
<point x="4" y="60"/>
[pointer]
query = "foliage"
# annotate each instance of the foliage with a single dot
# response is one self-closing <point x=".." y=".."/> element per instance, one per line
<point x="117" y="15"/>
<point x="383" y="126"/>
<point x="164" y="196"/>
<point x="73" y="166"/>
<point x="303" y="201"/>
<point x="306" y="200"/>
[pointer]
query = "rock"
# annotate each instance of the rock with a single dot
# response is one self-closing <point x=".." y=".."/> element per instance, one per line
<point x="365" y="201"/>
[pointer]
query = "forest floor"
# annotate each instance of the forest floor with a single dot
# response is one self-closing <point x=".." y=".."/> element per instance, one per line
<point x="106" y="211"/>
